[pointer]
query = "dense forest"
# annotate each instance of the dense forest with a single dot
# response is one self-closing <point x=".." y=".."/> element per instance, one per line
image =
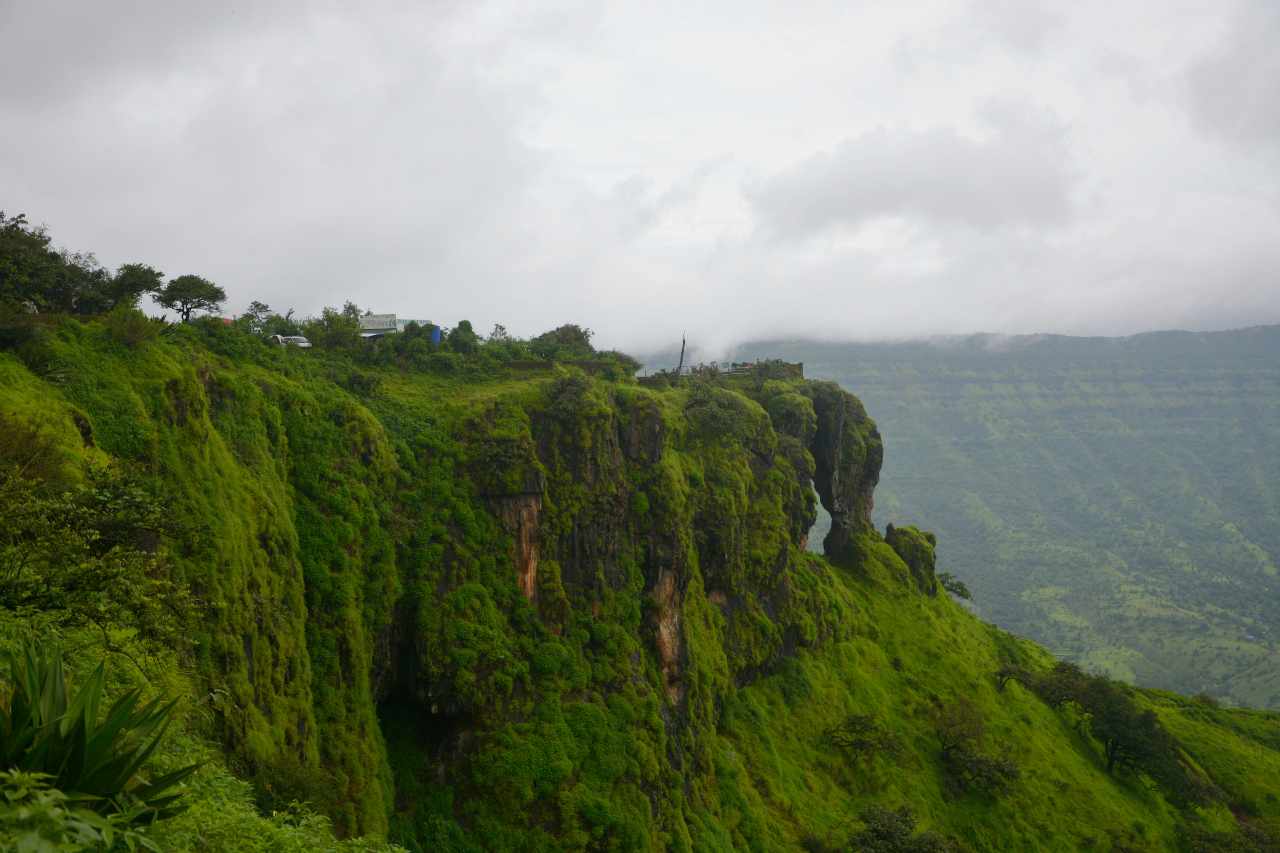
<point x="496" y="594"/>
<point x="1117" y="500"/>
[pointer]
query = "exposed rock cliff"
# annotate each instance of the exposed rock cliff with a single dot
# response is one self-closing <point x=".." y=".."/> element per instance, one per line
<point x="848" y="453"/>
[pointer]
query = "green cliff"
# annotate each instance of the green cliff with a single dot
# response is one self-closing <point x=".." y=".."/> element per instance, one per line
<point x="484" y="607"/>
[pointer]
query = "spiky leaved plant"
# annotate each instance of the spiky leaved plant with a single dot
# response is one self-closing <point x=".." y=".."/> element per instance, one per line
<point x="97" y="762"/>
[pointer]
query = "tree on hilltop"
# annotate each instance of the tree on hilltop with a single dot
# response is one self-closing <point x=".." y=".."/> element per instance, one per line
<point x="189" y="293"/>
<point x="567" y="341"/>
<point x="131" y="282"/>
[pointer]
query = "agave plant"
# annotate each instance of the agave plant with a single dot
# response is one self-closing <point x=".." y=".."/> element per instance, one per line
<point x="97" y="762"/>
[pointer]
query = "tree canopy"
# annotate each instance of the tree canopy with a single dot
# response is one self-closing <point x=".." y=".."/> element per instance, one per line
<point x="37" y="278"/>
<point x="187" y="294"/>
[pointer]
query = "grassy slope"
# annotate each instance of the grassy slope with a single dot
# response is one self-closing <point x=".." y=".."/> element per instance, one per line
<point x="911" y="652"/>
<point x="574" y="744"/>
<point x="1114" y="499"/>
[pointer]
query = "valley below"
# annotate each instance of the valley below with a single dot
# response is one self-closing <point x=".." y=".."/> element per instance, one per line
<point x="1116" y="499"/>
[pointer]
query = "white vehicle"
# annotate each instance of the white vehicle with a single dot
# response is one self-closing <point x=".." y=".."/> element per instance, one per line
<point x="291" y="341"/>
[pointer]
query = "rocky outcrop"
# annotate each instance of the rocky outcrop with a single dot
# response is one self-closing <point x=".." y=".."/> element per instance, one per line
<point x="916" y="548"/>
<point x="668" y="633"/>
<point x="847" y="453"/>
<point x="519" y="515"/>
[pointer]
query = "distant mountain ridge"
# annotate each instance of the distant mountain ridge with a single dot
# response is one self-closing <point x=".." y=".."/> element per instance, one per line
<point x="1117" y="499"/>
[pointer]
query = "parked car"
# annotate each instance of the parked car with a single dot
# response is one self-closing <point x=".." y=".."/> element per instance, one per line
<point x="290" y="341"/>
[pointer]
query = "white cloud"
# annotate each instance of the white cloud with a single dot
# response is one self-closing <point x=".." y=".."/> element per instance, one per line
<point x="730" y="169"/>
<point x="1018" y="176"/>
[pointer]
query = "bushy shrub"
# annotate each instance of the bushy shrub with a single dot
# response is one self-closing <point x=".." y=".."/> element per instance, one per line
<point x="131" y="327"/>
<point x="89" y="555"/>
<point x="563" y="342"/>
<point x="334" y="329"/>
<point x="955" y="586"/>
<point x="894" y="831"/>
<point x="961" y="732"/>
<point x="968" y="769"/>
<point x="98" y="761"/>
<point x="35" y="816"/>
<point x="859" y="736"/>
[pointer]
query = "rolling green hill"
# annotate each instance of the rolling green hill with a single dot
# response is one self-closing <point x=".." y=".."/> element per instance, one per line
<point x="1116" y="499"/>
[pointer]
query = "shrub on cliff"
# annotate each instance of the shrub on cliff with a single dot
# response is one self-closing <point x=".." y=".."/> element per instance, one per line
<point x="859" y="736"/>
<point x="894" y="831"/>
<point x="961" y="731"/>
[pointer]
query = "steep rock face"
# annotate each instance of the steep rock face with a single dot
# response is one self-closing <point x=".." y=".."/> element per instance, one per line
<point x="847" y="453"/>
<point x="519" y="515"/>
<point x="480" y="571"/>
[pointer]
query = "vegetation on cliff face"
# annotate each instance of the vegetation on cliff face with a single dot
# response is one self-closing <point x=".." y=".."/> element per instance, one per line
<point x="547" y="610"/>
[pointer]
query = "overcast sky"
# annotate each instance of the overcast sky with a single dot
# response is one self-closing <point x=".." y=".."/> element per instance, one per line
<point x="737" y="169"/>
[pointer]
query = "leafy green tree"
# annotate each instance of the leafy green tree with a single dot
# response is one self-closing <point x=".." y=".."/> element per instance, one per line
<point x="187" y="294"/>
<point x="1135" y="739"/>
<point x="131" y="282"/>
<point x="1131" y="738"/>
<point x="961" y="731"/>
<point x="1065" y="683"/>
<point x="462" y="338"/>
<point x="91" y="554"/>
<point x="27" y="263"/>
<point x="959" y="723"/>
<point x="36" y="277"/>
<point x="564" y="342"/>
<point x="260" y="319"/>
<point x="257" y="315"/>
<point x="334" y="329"/>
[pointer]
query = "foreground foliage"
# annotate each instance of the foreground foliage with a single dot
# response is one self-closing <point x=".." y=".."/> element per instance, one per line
<point x="96" y="760"/>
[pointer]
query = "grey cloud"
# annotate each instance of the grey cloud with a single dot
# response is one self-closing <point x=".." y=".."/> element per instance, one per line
<point x="316" y="157"/>
<point x="602" y="164"/>
<point x="1234" y="91"/>
<point x="1025" y="25"/>
<point x="1020" y="175"/>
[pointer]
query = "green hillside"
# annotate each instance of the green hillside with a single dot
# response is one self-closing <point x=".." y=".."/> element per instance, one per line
<point x="442" y="593"/>
<point x="1117" y="500"/>
<point x="673" y="673"/>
